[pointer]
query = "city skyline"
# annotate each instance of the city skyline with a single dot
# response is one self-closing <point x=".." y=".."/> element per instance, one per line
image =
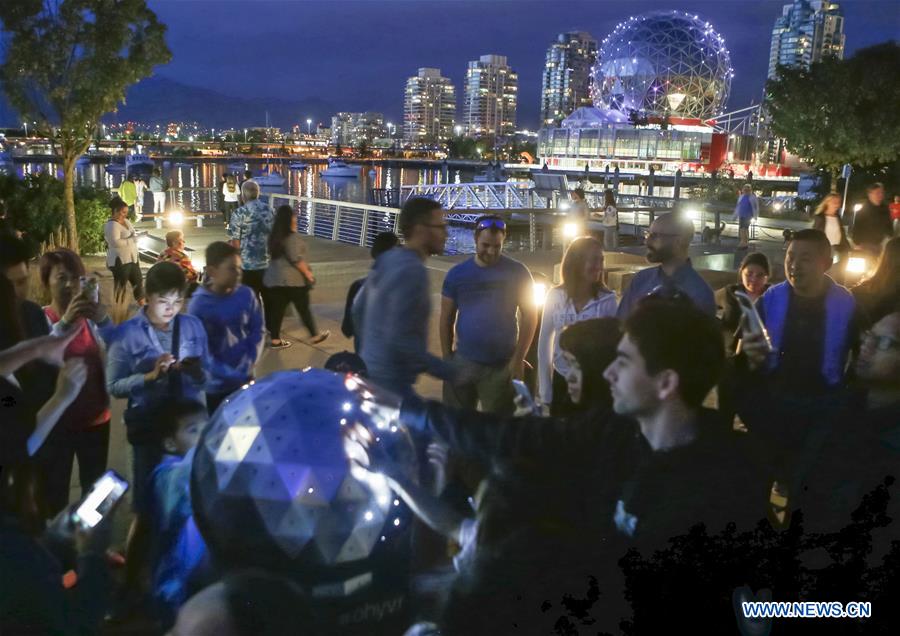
<point x="329" y="46"/>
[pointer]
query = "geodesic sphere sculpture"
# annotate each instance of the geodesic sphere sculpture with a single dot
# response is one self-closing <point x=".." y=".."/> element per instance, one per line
<point x="663" y="63"/>
<point x="272" y="483"/>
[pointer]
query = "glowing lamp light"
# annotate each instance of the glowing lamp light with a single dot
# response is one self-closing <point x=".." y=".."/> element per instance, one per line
<point x="693" y="214"/>
<point x="777" y="206"/>
<point x="857" y="207"/>
<point x="564" y="205"/>
<point x="570" y="230"/>
<point x="175" y="217"/>
<point x="539" y="293"/>
<point x="856" y="265"/>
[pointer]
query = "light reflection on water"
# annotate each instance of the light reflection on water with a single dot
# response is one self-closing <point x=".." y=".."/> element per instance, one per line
<point x="309" y="182"/>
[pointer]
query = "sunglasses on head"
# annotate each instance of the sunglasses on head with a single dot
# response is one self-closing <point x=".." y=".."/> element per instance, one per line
<point x="494" y="224"/>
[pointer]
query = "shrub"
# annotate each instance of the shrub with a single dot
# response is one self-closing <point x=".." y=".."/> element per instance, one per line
<point x="35" y="206"/>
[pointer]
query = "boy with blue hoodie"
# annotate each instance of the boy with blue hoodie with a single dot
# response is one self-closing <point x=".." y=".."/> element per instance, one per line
<point x="232" y="317"/>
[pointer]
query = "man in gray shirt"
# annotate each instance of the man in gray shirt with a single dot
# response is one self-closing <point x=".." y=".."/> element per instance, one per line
<point x="668" y="242"/>
<point x="393" y="307"/>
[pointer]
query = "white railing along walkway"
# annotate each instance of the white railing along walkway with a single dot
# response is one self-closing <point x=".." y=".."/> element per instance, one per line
<point x="340" y="221"/>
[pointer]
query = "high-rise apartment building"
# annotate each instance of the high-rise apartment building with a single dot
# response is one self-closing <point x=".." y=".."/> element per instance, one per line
<point x="566" y="83"/>
<point x="351" y="129"/>
<point x="491" y="95"/>
<point x="429" y="107"/>
<point x="806" y="32"/>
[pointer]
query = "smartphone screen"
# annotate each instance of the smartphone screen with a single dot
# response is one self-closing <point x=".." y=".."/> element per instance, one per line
<point x="101" y="499"/>
<point x="522" y="390"/>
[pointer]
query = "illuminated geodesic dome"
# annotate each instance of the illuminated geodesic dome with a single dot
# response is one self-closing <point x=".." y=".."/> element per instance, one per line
<point x="663" y="63"/>
<point x="272" y="484"/>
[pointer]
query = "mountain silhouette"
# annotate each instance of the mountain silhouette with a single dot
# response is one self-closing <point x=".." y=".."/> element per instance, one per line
<point x="160" y="100"/>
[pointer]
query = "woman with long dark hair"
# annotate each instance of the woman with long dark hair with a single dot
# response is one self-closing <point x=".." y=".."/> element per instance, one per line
<point x="610" y="221"/>
<point x="288" y="279"/>
<point x="581" y="296"/>
<point x="588" y="347"/>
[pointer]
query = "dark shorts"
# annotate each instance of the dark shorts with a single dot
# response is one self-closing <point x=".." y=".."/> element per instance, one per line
<point x="744" y="222"/>
<point x="144" y="458"/>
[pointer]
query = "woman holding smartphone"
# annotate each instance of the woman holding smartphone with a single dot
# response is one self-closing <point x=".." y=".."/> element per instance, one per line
<point x="83" y="430"/>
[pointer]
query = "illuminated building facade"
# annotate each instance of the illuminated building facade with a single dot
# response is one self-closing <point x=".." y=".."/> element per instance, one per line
<point x="429" y="107"/>
<point x="490" y="99"/>
<point x="566" y="81"/>
<point x="806" y="32"/>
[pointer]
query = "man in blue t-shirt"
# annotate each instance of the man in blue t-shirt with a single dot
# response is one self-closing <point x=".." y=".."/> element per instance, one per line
<point x="488" y="298"/>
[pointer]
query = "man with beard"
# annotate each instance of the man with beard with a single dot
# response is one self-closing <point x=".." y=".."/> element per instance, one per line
<point x="487" y="289"/>
<point x="668" y="241"/>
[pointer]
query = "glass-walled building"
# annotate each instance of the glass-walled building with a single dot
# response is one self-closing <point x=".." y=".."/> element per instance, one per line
<point x="572" y="147"/>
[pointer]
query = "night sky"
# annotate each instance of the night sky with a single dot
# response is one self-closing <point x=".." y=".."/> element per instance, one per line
<point x="358" y="54"/>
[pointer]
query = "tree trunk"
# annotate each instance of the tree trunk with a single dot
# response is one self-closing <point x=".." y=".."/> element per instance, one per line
<point x="69" y="197"/>
<point x="835" y="176"/>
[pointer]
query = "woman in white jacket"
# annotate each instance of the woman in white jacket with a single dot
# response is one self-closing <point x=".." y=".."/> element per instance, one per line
<point x="581" y="296"/>
<point x="122" y="252"/>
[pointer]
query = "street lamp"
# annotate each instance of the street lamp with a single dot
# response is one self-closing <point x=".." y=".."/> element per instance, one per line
<point x="25" y="123"/>
<point x="458" y="130"/>
<point x="308" y="124"/>
<point x="245" y="135"/>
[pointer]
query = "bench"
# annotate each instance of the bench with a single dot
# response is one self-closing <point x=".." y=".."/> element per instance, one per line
<point x="197" y="217"/>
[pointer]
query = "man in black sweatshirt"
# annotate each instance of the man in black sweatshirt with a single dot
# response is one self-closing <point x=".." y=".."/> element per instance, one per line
<point x="607" y="481"/>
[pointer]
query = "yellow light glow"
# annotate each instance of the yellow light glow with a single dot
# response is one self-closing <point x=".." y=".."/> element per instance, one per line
<point x="856" y="265"/>
<point x="176" y="217"/>
<point x="570" y="230"/>
<point x="539" y="293"/>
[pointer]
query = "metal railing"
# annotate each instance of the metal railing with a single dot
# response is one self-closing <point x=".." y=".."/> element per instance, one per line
<point x="540" y="228"/>
<point x="477" y="195"/>
<point x="339" y="221"/>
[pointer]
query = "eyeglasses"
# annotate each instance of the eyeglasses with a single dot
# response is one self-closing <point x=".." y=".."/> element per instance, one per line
<point x="494" y="224"/>
<point x="650" y="236"/>
<point x="881" y="343"/>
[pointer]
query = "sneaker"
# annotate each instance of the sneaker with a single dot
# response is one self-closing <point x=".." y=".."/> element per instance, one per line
<point x="319" y="337"/>
<point x="282" y="344"/>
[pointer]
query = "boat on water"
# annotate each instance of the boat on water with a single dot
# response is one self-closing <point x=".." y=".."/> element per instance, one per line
<point x="133" y="163"/>
<point x="298" y="165"/>
<point x="139" y="161"/>
<point x="270" y="179"/>
<point x="338" y="168"/>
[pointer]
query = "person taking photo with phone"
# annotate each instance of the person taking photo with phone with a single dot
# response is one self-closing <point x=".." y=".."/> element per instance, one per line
<point x="83" y="430"/>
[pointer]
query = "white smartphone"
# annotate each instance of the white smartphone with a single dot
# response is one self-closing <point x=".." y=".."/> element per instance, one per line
<point x="752" y="321"/>
<point x="93" y="288"/>
<point x="100" y="501"/>
<point x="523" y="392"/>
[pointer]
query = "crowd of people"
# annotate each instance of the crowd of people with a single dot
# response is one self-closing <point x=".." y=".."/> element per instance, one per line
<point x="669" y="408"/>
